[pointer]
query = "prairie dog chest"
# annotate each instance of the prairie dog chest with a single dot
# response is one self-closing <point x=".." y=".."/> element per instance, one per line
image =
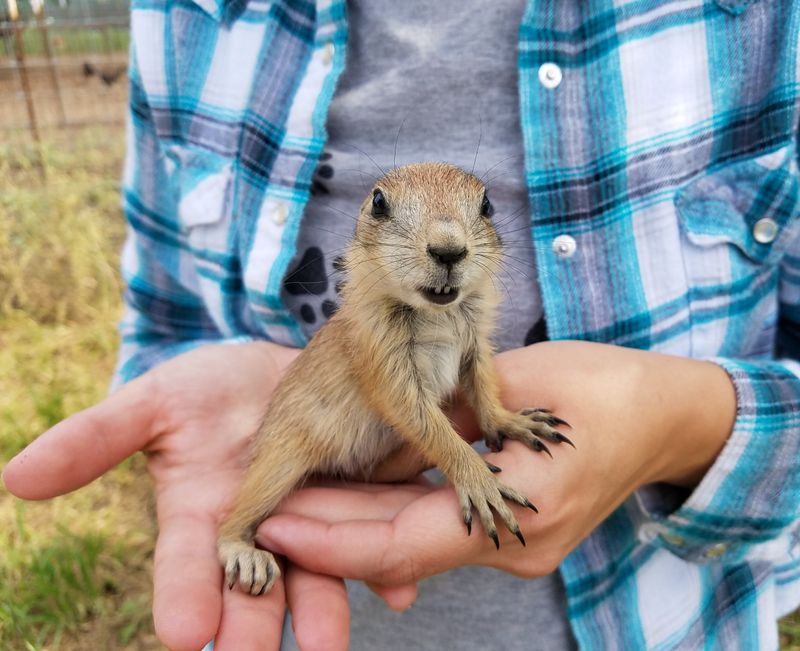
<point x="439" y="346"/>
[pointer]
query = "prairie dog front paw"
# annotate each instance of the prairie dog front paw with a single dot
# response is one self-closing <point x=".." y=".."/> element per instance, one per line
<point x="482" y="491"/>
<point x="256" y="570"/>
<point x="528" y="426"/>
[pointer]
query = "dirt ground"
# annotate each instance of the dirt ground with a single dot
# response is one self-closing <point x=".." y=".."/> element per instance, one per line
<point x="89" y="89"/>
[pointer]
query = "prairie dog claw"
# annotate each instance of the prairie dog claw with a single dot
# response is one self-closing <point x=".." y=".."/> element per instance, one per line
<point x="254" y="569"/>
<point x="529" y="426"/>
<point x="486" y="495"/>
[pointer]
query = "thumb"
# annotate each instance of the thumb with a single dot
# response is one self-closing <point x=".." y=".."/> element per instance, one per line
<point x="84" y="446"/>
<point x="397" y="597"/>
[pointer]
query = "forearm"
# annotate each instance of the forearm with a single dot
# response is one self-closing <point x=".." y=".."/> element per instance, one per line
<point x="702" y="399"/>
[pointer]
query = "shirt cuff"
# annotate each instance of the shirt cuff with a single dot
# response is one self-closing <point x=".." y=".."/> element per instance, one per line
<point x="750" y="498"/>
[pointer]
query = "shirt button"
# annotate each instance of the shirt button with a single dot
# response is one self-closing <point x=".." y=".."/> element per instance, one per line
<point x="564" y="246"/>
<point x="327" y="54"/>
<point x="280" y="214"/>
<point x="715" y="551"/>
<point x="765" y="230"/>
<point x="550" y="75"/>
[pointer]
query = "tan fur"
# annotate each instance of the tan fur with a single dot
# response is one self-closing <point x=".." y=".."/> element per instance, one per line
<point x="377" y="374"/>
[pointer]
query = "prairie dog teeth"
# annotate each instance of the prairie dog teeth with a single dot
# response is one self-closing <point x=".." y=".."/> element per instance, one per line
<point x="447" y="289"/>
<point x="438" y="290"/>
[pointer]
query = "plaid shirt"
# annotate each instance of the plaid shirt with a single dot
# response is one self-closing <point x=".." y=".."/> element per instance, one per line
<point x="661" y="162"/>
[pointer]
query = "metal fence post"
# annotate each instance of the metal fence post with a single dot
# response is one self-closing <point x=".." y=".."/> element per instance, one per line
<point x="38" y="11"/>
<point x="19" y="52"/>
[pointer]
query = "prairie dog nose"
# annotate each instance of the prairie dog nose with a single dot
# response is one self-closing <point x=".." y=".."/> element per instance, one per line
<point x="447" y="255"/>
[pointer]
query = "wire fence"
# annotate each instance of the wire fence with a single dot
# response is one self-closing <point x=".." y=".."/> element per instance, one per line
<point x="62" y="64"/>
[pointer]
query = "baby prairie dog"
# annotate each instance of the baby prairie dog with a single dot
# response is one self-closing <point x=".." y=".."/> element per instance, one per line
<point x="417" y="310"/>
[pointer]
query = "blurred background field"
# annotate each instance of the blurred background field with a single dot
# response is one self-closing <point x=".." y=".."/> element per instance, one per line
<point x="62" y="63"/>
<point x="74" y="571"/>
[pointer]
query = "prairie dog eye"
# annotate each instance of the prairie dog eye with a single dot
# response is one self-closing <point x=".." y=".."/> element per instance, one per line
<point x="379" y="206"/>
<point x="487" y="209"/>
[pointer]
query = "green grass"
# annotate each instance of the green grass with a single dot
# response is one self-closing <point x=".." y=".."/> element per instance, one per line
<point x="790" y="632"/>
<point x="44" y="588"/>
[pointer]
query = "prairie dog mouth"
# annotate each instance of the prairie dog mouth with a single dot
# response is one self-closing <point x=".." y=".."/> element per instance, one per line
<point x="440" y="295"/>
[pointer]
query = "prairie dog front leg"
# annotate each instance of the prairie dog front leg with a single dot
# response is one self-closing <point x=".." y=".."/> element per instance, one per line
<point x="279" y="464"/>
<point x="419" y="419"/>
<point x="530" y="425"/>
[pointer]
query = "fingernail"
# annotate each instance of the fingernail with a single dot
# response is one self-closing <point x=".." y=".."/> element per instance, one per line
<point x="270" y="535"/>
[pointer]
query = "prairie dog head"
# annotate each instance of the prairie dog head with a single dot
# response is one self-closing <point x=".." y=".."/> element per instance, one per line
<point x="425" y="237"/>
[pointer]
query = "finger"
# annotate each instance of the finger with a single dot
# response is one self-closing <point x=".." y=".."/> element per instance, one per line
<point x="320" y="612"/>
<point x="463" y="419"/>
<point x="425" y="539"/>
<point x="356" y="501"/>
<point x="402" y="465"/>
<point x="85" y="445"/>
<point x="187" y="597"/>
<point x="251" y="623"/>
<point x="398" y="598"/>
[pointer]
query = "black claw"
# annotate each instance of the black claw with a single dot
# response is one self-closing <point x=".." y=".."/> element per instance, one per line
<point x="563" y="439"/>
<point x="520" y="537"/>
<point x="541" y="447"/>
<point x="555" y="420"/>
<point x="232" y="582"/>
<point x="493" y="468"/>
<point x="498" y="443"/>
<point x="531" y="505"/>
<point x="468" y="523"/>
<point x="263" y="589"/>
<point x="269" y="573"/>
<point x="493" y="536"/>
<point x="528" y="412"/>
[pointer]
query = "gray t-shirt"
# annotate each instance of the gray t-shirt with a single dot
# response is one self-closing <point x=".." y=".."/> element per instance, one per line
<point x="427" y="81"/>
<point x="433" y="79"/>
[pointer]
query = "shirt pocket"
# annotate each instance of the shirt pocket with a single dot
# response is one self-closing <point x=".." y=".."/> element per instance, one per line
<point x="202" y="183"/>
<point x="751" y="205"/>
<point x="736" y="225"/>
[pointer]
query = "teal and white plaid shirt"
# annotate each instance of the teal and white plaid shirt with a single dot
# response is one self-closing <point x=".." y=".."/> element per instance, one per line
<point x="663" y="183"/>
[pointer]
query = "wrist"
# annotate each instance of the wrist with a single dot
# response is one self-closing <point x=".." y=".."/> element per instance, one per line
<point x="703" y="402"/>
<point x="275" y="354"/>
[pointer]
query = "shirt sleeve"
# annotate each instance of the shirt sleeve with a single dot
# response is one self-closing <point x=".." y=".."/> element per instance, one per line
<point x="748" y="504"/>
<point x="164" y="312"/>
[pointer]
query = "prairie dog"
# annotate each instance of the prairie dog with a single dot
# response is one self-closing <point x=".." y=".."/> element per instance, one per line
<point x="417" y="310"/>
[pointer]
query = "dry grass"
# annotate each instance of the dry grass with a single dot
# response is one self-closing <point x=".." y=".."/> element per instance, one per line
<point x="74" y="571"/>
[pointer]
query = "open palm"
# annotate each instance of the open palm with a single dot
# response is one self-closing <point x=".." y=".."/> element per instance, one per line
<point x="192" y="417"/>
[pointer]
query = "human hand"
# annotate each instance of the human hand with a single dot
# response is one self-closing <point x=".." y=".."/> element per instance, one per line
<point x="192" y="416"/>
<point x="638" y="418"/>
